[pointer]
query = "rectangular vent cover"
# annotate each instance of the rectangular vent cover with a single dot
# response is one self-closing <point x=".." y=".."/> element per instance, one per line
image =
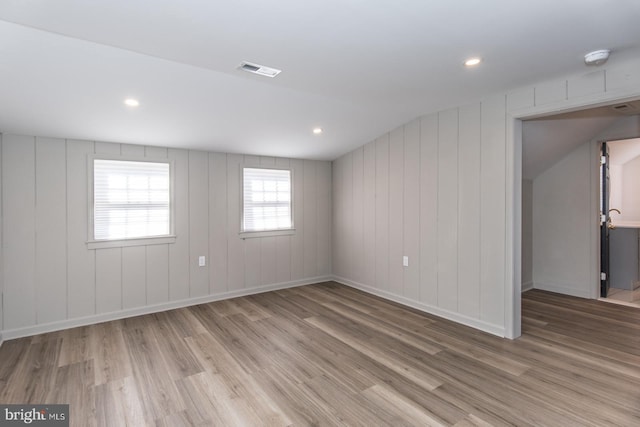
<point x="259" y="69"/>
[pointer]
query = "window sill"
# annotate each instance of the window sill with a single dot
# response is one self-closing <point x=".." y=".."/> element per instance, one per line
<point x="266" y="233"/>
<point x="142" y="241"/>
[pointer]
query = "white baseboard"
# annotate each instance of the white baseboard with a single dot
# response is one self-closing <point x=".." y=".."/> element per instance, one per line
<point x="527" y="286"/>
<point x="560" y="289"/>
<point x="105" y="317"/>
<point x="449" y="315"/>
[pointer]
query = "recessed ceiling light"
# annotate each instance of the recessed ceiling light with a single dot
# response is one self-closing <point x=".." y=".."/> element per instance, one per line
<point x="317" y="131"/>
<point x="131" y="102"/>
<point x="472" y="61"/>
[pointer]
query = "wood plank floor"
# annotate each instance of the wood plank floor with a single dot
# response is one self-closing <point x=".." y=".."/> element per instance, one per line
<point x="327" y="354"/>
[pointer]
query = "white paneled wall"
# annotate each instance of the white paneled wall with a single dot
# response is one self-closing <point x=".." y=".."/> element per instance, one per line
<point x="419" y="191"/>
<point x="51" y="280"/>
<point x="442" y="190"/>
<point x="19" y="240"/>
<point x="1" y="246"/>
<point x="469" y="210"/>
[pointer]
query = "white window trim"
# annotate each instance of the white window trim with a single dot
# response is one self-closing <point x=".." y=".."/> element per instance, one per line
<point x="92" y="243"/>
<point x="265" y="233"/>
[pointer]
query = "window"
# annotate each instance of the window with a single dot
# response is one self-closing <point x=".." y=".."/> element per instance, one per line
<point x="131" y="200"/>
<point x="266" y="200"/>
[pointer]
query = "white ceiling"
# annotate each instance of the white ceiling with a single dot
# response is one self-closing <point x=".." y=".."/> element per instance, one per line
<point x="356" y="68"/>
<point x="546" y="140"/>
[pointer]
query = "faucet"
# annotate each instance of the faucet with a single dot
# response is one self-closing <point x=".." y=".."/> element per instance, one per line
<point x="610" y="225"/>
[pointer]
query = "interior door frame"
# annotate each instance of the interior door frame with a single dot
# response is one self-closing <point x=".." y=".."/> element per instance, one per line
<point x="604" y="196"/>
<point x="513" y="240"/>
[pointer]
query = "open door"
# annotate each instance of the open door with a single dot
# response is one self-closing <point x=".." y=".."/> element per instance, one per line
<point x="605" y="220"/>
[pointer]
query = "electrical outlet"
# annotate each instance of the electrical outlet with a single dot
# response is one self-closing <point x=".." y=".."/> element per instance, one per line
<point x="405" y="261"/>
<point x="202" y="261"/>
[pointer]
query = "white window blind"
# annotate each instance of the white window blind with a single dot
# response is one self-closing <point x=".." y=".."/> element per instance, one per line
<point x="131" y="199"/>
<point x="266" y="199"/>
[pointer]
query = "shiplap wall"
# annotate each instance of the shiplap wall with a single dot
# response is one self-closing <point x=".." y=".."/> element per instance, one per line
<point x="1" y="250"/>
<point x="52" y="280"/>
<point x="445" y="191"/>
<point x="416" y="192"/>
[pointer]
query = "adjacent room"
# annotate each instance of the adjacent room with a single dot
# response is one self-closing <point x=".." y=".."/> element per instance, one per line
<point x="318" y="213"/>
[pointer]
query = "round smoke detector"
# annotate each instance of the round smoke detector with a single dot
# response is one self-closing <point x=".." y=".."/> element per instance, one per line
<point x="597" y="57"/>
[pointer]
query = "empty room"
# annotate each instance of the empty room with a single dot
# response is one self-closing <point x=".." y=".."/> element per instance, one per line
<point x="295" y="213"/>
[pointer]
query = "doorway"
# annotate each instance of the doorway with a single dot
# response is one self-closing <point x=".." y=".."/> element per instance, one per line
<point x="561" y="203"/>
<point x="620" y="220"/>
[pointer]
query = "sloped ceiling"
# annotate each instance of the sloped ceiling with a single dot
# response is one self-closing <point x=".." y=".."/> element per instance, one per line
<point x="547" y="140"/>
<point x="356" y="68"/>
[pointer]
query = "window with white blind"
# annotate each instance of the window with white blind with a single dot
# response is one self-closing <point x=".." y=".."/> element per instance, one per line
<point x="131" y="200"/>
<point x="266" y="200"/>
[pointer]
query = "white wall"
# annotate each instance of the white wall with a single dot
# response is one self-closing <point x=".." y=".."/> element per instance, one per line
<point x="563" y="221"/>
<point x="615" y="190"/>
<point x="432" y="190"/>
<point x="460" y="220"/>
<point x="623" y="194"/>
<point x="1" y="248"/>
<point x="51" y="280"/>
<point x="527" y="234"/>
<point x="630" y="184"/>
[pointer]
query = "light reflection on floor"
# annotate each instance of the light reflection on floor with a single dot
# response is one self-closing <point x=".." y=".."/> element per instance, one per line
<point x="624" y="297"/>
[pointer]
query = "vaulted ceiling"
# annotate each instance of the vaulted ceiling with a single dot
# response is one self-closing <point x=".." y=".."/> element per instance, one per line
<point x="548" y="139"/>
<point x="356" y="68"/>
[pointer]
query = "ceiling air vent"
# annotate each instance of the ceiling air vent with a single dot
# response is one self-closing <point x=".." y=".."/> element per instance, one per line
<point x="259" y="69"/>
<point x="625" y="108"/>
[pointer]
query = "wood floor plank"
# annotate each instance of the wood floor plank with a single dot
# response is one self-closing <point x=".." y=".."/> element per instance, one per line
<point x="178" y="361"/>
<point x="327" y="354"/>
<point x="500" y="390"/>
<point x="473" y="421"/>
<point x="382" y="357"/>
<point x="34" y="373"/>
<point x="12" y="354"/>
<point x="118" y="404"/>
<point x="404" y="410"/>
<point x="345" y="405"/>
<point x="107" y="348"/>
<point x="294" y="399"/>
<point x="76" y="345"/>
<point x="160" y="395"/>
<point x="74" y="384"/>
<point x="392" y="331"/>
<point x="275" y="302"/>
